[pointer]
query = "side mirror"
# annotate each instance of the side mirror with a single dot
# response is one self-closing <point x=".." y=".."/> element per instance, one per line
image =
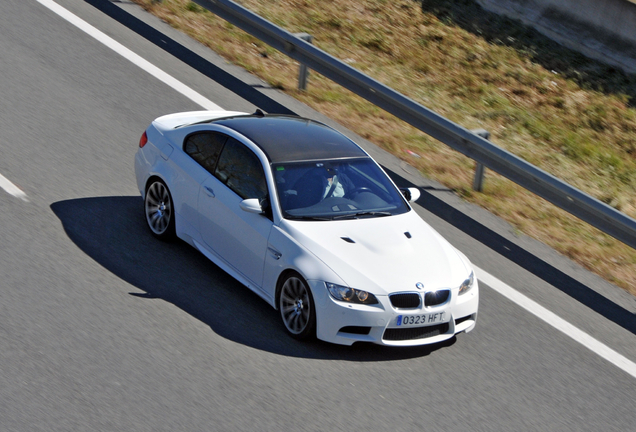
<point x="411" y="194"/>
<point x="251" y="205"/>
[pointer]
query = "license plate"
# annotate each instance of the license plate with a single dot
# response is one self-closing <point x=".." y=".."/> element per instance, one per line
<point x="421" y="320"/>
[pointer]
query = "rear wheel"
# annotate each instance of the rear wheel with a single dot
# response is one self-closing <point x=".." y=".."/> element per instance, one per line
<point x="297" y="307"/>
<point x="159" y="210"/>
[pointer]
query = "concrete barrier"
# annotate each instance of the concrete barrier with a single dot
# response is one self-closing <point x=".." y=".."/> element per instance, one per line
<point x="601" y="29"/>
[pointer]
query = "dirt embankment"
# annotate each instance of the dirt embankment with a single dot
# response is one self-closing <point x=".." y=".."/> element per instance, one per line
<point x="601" y="29"/>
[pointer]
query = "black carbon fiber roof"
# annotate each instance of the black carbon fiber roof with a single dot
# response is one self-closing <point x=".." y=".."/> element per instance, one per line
<point x="289" y="139"/>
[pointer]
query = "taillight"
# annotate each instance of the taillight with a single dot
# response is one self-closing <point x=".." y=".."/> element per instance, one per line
<point x="143" y="140"/>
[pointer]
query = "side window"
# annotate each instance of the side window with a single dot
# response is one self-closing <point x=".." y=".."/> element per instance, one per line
<point x="240" y="169"/>
<point x="204" y="148"/>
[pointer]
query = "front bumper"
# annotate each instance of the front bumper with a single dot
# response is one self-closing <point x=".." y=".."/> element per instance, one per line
<point x="344" y="323"/>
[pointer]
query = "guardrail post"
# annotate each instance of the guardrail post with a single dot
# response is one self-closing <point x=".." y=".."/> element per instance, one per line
<point x="303" y="72"/>
<point x="478" y="181"/>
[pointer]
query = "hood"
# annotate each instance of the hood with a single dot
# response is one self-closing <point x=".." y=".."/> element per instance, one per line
<point x="384" y="254"/>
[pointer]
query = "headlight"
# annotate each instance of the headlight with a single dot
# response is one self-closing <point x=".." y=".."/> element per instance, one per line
<point x="350" y="295"/>
<point x="467" y="284"/>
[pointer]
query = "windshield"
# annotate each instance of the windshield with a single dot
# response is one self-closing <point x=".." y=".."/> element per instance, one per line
<point x="341" y="189"/>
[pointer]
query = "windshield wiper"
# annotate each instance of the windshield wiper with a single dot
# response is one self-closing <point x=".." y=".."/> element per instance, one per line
<point x="363" y="213"/>
<point x="312" y="218"/>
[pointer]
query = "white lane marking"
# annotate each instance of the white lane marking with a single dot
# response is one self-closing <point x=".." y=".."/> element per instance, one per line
<point x="131" y="56"/>
<point x="12" y="189"/>
<point x="507" y="291"/>
<point x="557" y="322"/>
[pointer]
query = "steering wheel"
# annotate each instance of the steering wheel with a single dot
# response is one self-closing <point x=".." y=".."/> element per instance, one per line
<point x="358" y="190"/>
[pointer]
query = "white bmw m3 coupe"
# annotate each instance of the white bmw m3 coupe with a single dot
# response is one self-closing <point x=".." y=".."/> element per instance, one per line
<point x="306" y="219"/>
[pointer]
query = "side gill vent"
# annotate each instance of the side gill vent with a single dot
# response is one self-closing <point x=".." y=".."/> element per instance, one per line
<point x="408" y="234"/>
<point x="347" y="239"/>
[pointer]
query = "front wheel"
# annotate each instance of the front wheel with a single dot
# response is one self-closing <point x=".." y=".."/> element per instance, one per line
<point x="297" y="307"/>
<point x="159" y="210"/>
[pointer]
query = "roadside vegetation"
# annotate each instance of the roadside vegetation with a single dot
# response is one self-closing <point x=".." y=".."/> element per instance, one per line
<point x="573" y="117"/>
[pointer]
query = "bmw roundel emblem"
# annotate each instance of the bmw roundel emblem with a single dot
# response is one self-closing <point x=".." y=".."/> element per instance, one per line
<point x="419" y="285"/>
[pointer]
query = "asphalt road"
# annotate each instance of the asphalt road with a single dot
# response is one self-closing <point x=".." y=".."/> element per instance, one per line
<point x="104" y="328"/>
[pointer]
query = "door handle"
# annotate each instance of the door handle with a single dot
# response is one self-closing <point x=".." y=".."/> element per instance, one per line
<point x="209" y="191"/>
<point x="274" y="253"/>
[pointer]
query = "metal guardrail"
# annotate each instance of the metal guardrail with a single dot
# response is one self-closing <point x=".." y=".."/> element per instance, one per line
<point x="561" y="194"/>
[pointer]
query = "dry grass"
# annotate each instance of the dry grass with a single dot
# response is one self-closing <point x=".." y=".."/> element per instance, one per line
<point x="556" y="109"/>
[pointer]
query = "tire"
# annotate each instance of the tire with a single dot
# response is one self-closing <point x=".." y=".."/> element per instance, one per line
<point x="159" y="210"/>
<point x="296" y="306"/>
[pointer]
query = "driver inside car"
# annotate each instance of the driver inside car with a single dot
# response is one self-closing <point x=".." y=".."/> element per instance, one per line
<point x="337" y="184"/>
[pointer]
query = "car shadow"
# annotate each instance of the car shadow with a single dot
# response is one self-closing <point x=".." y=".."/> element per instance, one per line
<point x="111" y="230"/>
<point x="518" y="255"/>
